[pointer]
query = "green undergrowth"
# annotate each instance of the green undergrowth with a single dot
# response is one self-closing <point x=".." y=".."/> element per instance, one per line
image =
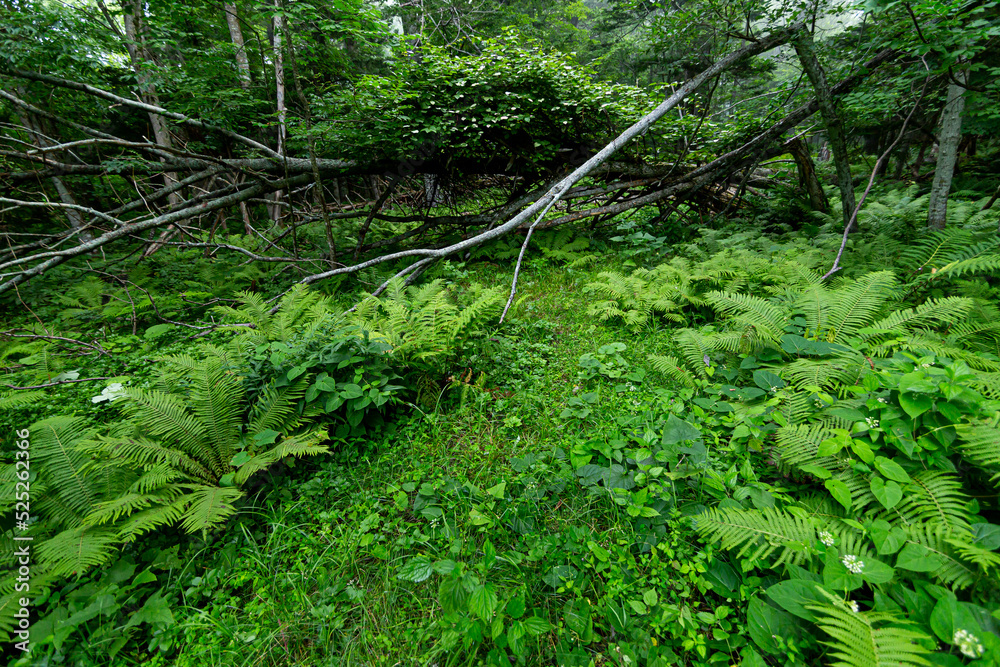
<point x="684" y="449"/>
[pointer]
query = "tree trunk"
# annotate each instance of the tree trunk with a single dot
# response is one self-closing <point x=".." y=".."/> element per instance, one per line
<point x="139" y="57"/>
<point x="948" y="139"/>
<point x="831" y="118"/>
<point x="902" y="157"/>
<point x="236" y="34"/>
<point x="279" y="96"/>
<point x="807" y="176"/>
<point x="433" y="192"/>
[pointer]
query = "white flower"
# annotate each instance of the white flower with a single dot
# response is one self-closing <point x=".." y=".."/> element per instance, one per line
<point x="853" y="605"/>
<point x="872" y="423"/>
<point x="826" y="538"/>
<point x="882" y="400"/>
<point x="853" y="563"/>
<point x="926" y="365"/>
<point x="968" y="644"/>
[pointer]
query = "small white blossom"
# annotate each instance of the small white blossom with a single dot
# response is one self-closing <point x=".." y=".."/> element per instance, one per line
<point x="882" y="400"/>
<point x="968" y="644"/>
<point x="853" y="563"/>
<point x="872" y="423"/>
<point x="826" y="538"/>
<point x="853" y="605"/>
<point x="926" y="365"/>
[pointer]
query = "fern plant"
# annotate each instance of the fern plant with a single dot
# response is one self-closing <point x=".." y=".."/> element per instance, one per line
<point x="182" y="457"/>
<point x="187" y="441"/>
<point x="425" y="325"/>
<point x="299" y="311"/>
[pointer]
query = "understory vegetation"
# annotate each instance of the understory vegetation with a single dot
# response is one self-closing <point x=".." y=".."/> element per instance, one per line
<point x="680" y="447"/>
<point x="440" y="333"/>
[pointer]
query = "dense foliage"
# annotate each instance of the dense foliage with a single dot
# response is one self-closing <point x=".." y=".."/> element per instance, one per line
<point x="722" y="401"/>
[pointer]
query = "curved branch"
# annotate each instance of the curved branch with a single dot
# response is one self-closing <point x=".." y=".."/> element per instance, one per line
<point x="124" y="101"/>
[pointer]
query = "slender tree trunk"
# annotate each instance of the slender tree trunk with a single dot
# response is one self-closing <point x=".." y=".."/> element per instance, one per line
<point x="948" y="139"/>
<point x="134" y="43"/>
<point x="902" y="157"/>
<point x="804" y="47"/>
<point x="236" y="34"/>
<point x="433" y="192"/>
<point x="807" y="176"/>
<point x="279" y="95"/>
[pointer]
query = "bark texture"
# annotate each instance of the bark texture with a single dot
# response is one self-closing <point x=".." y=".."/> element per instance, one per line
<point x="807" y="175"/>
<point x="236" y="35"/>
<point x="948" y="140"/>
<point x="831" y="118"/>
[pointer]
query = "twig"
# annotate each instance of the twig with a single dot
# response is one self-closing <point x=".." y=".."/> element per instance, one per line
<point x="54" y="384"/>
<point x="96" y="348"/>
<point x="871" y="181"/>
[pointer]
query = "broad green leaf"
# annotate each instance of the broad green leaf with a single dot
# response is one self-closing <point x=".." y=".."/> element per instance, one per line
<point x="839" y="491"/>
<point x="915" y="404"/>
<point x="765" y="623"/>
<point x="536" y="625"/>
<point x="767" y="380"/>
<point x="892" y="470"/>
<point x="918" y="558"/>
<point x="815" y="470"/>
<point x="836" y="576"/>
<point x="417" y="569"/>
<point x="489" y="554"/>
<point x="155" y="611"/>
<point x="950" y="615"/>
<point x="876" y="572"/>
<point x="794" y="595"/>
<point x="515" y="606"/>
<point x="350" y="391"/>
<point x="677" y="430"/>
<point x="862" y="450"/>
<point x="483" y="601"/>
<point x="888" y="493"/>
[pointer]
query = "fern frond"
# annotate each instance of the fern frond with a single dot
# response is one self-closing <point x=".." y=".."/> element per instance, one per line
<point x="216" y="401"/>
<point x="766" y="317"/>
<point x="151" y="519"/>
<point x="276" y="408"/>
<point x="856" y="305"/>
<point x="980" y="446"/>
<point x="840" y="370"/>
<point x="56" y="449"/>
<point x="868" y="639"/>
<point x="796" y="446"/>
<point x="672" y="368"/>
<point x="758" y="534"/>
<point x="166" y="416"/>
<point x="77" y="549"/>
<point x="11" y="400"/>
<point x="142" y="452"/>
<point x="938" y="538"/>
<point x="208" y="507"/>
<point x="934" y="497"/>
<point x="694" y="347"/>
<point x="297" y="446"/>
<point x="933" y="312"/>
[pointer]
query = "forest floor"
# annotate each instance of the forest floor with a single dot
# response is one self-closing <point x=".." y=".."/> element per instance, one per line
<point x="538" y="503"/>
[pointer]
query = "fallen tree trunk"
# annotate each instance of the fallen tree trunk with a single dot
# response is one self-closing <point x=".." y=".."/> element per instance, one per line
<point x="627" y="185"/>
